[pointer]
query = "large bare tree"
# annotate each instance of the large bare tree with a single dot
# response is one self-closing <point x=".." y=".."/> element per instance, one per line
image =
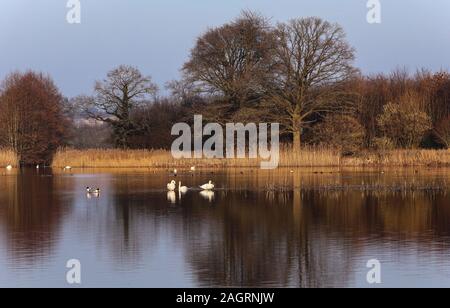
<point x="124" y="90"/>
<point x="313" y="58"/>
<point x="233" y="62"/>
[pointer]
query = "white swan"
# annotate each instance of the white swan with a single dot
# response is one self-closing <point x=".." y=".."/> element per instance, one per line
<point x="209" y="186"/>
<point x="182" y="189"/>
<point x="171" y="186"/>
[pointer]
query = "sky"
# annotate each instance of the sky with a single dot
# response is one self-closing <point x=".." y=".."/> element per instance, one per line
<point x="157" y="35"/>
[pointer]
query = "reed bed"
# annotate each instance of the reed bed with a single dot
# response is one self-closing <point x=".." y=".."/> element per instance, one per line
<point x="8" y="157"/>
<point x="308" y="157"/>
<point x="402" y="158"/>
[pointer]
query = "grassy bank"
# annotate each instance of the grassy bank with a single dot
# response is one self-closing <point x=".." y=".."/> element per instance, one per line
<point x="308" y="157"/>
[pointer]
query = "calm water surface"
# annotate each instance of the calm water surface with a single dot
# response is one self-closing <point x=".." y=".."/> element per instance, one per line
<point x="311" y="228"/>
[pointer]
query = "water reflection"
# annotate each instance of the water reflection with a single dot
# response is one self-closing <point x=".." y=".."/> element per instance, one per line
<point x="208" y="195"/>
<point x="313" y="241"/>
<point x="31" y="215"/>
<point x="172" y="197"/>
<point x="307" y="229"/>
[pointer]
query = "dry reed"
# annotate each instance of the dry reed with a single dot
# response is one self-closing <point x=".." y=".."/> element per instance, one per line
<point x="8" y="157"/>
<point x="308" y="157"/>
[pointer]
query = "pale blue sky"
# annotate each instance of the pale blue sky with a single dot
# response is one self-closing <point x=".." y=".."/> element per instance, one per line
<point x="156" y="35"/>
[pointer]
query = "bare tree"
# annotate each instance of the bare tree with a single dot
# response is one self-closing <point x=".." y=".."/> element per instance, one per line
<point x="313" y="59"/>
<point x="185" y="93"/>
<point x="157" y="121"/>
<point x="233" y="62"/>
<point x="124" y="89"/>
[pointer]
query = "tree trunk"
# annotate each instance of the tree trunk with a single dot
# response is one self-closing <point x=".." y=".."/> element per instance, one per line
<point x="297" y="141"/>
<point x="297" y="133"/>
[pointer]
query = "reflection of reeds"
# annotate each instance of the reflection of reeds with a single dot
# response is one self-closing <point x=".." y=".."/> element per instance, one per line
<point x="278" y="188"/>
<point x="308" y="157"/>
<point x="407" y="187"/>
<point x="8" y="157"/>
<point x="341" y="194"/>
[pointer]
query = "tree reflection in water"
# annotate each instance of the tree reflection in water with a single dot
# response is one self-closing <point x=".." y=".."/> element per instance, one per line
<point x="31" y="214"/>
<point x="316" y="230"/>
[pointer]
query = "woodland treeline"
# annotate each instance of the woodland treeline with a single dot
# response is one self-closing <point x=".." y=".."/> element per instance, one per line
<point x="300" y="74"/>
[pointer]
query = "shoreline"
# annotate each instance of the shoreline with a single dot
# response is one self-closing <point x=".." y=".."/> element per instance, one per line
<point x="307" y="158"/>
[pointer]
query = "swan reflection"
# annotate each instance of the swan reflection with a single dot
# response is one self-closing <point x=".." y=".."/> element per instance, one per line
<point x="208" y="195"/>
<point x="171" y="197"/>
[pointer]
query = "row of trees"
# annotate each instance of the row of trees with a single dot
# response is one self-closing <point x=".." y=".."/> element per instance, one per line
<point x="246" y="70"/>
<point x="299" y="74"/>
<point x="409" y="111"/>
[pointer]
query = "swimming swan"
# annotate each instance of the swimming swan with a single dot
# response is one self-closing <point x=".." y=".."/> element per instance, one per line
<point x="209" y="186"/>
<point x="182" y="189"/>
<point x="171" y="186"/>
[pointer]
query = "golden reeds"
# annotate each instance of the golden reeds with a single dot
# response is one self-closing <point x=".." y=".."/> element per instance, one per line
<point x="8" y="157"/>
<point x="307" y="157"/>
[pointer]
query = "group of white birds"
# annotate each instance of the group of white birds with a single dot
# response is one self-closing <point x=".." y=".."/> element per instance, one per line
<point x="172" y="186"/>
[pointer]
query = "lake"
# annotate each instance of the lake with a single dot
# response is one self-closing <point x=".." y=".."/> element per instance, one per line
<point x="308" y="228"/>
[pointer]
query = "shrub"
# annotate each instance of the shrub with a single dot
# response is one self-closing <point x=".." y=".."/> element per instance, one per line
<point x="339" y="131"/>
<point x="443" y="131"/>
<point x="383" y="144"/>
<point x="404" y="123"/>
